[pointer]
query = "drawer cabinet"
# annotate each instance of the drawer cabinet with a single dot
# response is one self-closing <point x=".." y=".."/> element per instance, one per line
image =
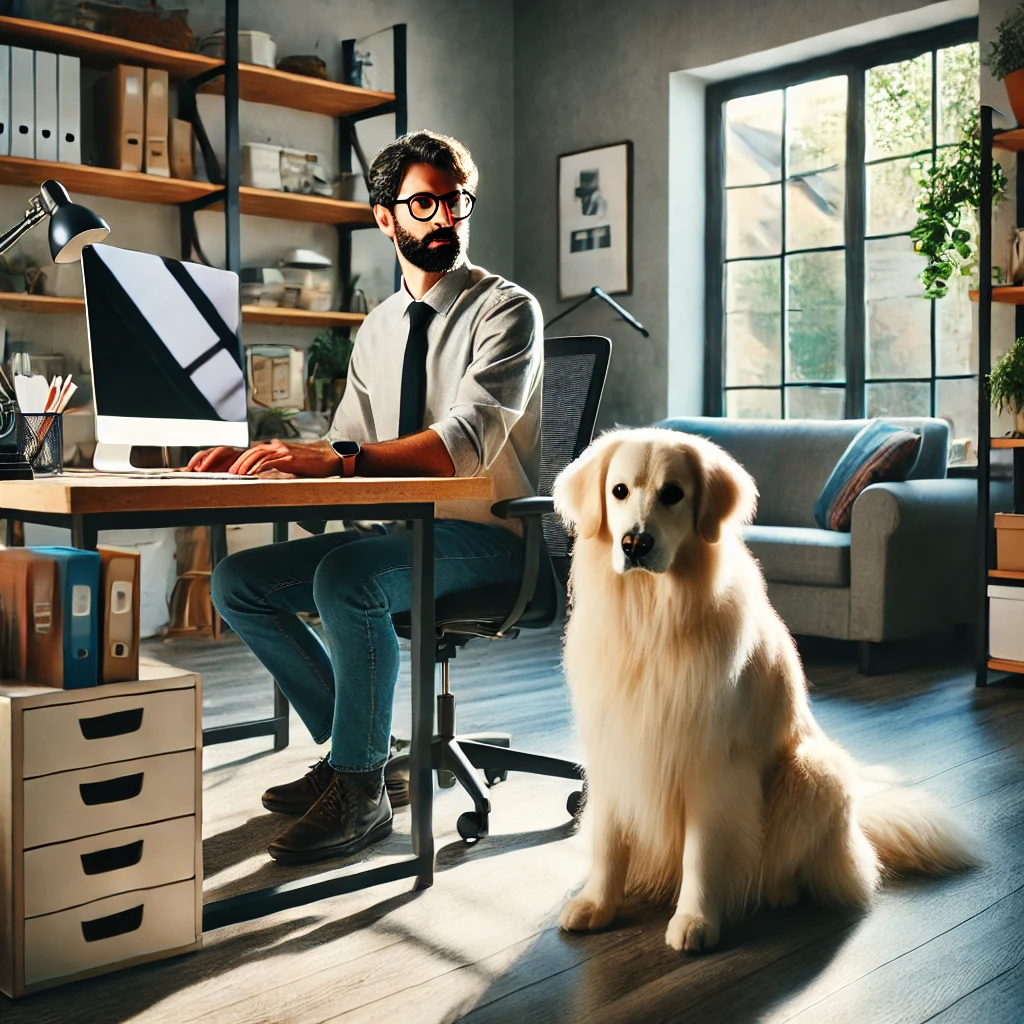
<point x="100" y="827"/>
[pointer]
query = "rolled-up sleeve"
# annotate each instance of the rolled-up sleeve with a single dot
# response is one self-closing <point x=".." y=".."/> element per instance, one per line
<point x="498" y="384"/>
<point x="353" y="420"/>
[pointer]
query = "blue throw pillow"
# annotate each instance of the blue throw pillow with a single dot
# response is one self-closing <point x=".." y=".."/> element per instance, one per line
<point x="881" y="452"/>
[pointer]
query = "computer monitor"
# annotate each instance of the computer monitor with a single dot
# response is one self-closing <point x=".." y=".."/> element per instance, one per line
<point x="167" y="365"/>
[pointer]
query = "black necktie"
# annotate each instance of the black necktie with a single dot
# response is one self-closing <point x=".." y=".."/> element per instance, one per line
<point x="414" y="371"/>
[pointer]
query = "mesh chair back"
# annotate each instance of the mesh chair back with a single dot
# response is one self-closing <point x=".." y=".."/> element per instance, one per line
<point x="574" y="374"/>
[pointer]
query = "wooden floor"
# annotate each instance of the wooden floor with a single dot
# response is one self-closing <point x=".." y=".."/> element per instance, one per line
<point x="482" y="943"/>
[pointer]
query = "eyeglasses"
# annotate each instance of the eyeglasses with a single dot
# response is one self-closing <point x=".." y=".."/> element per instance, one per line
<point x="423" y="205"/>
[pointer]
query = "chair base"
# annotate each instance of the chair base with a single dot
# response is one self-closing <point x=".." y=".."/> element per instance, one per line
<point x="460" y="756"/>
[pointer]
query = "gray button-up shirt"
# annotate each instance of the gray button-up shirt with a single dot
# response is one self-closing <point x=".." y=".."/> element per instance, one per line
<point x="485" y="360"/>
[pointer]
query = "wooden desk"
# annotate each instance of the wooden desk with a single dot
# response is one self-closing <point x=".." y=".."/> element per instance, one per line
<point x="88" y="503"/>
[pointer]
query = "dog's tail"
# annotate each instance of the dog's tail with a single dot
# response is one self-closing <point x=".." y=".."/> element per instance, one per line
<point x="913" y="834"/>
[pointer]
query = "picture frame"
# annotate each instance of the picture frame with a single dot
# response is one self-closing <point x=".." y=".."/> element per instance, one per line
<point x="595" y="220"/>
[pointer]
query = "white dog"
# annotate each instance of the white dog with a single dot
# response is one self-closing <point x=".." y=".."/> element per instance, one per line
<point x="709" y="780"/>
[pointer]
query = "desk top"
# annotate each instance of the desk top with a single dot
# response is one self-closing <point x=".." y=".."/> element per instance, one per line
<point x="80" y="495"/>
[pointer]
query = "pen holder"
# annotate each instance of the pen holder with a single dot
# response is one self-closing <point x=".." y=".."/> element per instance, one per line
<point x="41" y="442"/>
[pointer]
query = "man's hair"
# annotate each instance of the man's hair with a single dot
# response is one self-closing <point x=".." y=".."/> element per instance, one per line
<point x="440" y="151"/>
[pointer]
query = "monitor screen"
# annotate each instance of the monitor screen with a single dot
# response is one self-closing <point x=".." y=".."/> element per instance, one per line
<point x="166" y="358"/>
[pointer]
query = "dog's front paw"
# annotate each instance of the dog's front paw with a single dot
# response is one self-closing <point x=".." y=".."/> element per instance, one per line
<point x="691" y="932"/>
<point x="585" y="915"/>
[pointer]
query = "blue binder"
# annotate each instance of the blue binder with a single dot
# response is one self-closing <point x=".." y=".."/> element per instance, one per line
<point x="79" y="600"/>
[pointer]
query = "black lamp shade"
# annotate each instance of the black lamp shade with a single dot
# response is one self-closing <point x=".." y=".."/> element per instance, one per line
<point x="72" y="228"/>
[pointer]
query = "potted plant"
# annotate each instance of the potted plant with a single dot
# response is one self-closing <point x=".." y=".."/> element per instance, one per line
<point x="1006" y="58"/>
<point x="1005" y="384"/>
<point x="328" y="355"/>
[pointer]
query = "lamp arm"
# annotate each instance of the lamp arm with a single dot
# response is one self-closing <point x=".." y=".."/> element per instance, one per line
<point x="598" y="293"/>
<point x="573" y="308"/>
<point x="33" y="215"/>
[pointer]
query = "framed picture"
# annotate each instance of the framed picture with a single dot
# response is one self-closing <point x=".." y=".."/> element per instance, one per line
<point x="595" y="220"/>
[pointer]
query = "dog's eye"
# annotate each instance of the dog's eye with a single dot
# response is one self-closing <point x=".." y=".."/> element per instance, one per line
<point x="620" y="491"/>
<point x="670" y="494"/>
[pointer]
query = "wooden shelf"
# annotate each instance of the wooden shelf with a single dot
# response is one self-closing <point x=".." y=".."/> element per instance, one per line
<point x="300" y="317"/>
<point x="256" y="84"/>
<point x="1005" y="574"/>
<point x="1012" y="140"/>
<point x="1001" y="665"/>
<point x="292" y="206"/>
<point x="1011" y="294"/>
<point x="1007" y="442"/>
<point x="250" y="314"/>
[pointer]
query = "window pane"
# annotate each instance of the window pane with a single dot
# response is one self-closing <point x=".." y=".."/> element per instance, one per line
<point x="958" y="89"/>
<point x="899" y="107"/>
<point x="753" y="323"/>
<point x="752" y="405"/>
<point x="955" y="349"/>
<point x="753" y="139"/>
<point x="956" y="401"/>
<point x="815" y="403"/>
<point x="892" y="189"/>
<point x="815" y="207"/>
<point x="753" y="220"/>
<point x="898" y="319"/>
<point x="816" y="126"/>
<point x="902" y="399"/>
<point x="816" y="316"/>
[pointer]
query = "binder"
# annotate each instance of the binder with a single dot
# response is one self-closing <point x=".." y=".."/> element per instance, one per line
<point x="23" y="102"/>
<point x="5" y="101"/>
<point x="14" y="615"/>
<point x="69" y="109"/>
<point x="119" y="614"/>
<point x="66" y="640"/>
<point x="157" y="155"/>
<point x="120" y="117"/>
<point x="46" y="105"/>
<point x="181" y="149"/>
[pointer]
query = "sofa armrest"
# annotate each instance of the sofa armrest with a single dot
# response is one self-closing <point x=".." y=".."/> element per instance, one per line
<point x="912" y="558"/>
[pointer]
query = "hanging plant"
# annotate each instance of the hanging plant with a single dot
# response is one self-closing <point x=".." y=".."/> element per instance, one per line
<point x="949" y="189"/>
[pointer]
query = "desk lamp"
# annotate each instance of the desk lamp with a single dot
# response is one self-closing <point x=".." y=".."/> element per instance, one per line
<point x="72" y="227"/>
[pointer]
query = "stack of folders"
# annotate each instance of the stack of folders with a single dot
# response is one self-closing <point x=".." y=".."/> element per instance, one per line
<point x="132" y="117"/>
<point x="40" y="105"/>
<point x="69" y="618"/>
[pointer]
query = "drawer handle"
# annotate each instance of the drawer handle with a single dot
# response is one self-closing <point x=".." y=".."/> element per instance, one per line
<point x="116" y="924"/>
<point x="119" y="723"/>
<point x="114" y="859"/>
<point x="110" y="791"/>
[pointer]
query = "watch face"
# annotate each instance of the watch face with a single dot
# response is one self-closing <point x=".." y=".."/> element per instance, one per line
<point x="345" y="449"/>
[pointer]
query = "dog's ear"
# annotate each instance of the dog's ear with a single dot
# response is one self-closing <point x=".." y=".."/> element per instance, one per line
<point x="727" y="493"/>
<point x="578" y="490"/>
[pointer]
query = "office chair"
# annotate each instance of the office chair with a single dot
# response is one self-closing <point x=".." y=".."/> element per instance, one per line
<point x="574" y="376"/>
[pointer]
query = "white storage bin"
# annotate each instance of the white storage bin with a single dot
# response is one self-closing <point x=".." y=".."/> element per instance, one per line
<point x="1006" y="623"/>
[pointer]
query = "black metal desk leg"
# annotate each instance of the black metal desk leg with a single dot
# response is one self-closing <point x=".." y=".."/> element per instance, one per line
<point x="421" y="779"/>
<point x="84" y="534"/>
<point x="281" y="705"/>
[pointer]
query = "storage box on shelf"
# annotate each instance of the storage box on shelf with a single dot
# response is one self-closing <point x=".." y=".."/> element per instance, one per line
<point x="101" y="827"/>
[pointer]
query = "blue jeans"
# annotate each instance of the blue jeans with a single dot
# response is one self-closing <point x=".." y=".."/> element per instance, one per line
<point x="354" y="581"/>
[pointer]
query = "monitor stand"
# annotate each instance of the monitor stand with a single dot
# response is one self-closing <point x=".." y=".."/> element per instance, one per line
<point x="113" y="458"/>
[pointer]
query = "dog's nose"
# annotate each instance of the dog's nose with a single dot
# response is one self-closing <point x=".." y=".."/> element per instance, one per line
<point x="636" y="545"/>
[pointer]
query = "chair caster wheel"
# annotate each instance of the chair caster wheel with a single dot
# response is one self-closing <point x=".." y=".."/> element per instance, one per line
<point x="445" y="780"/>
<point x="576" y="802"/>
<point x="472" y="826"/>
<point x="493" y="776"/>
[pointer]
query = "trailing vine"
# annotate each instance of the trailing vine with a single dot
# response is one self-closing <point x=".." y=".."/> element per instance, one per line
<point x="949" y="188"/>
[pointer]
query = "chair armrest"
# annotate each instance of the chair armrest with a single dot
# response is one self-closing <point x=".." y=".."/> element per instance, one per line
<point x="912" y="558"/>
<point x="519" y="508"/>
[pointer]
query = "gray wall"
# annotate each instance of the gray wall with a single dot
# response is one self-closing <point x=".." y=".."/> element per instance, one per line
<point x="592" y="72"/>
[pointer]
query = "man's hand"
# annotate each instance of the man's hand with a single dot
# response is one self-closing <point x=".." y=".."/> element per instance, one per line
<point x="213" y="460"/>
<point x="311" y="459"/>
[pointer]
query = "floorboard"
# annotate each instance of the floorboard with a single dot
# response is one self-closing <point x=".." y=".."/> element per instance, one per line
<point x="482" y="943"/>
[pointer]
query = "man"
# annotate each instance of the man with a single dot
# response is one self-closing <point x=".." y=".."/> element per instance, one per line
<point x="449" y="368"/>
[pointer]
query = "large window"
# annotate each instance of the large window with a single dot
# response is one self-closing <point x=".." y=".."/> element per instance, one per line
<point x="815" y="308"/>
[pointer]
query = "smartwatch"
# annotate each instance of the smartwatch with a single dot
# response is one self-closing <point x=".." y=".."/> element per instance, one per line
<point x="348" y="451"/>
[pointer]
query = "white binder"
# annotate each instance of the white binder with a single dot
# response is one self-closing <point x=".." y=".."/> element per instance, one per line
<point x="5" y="101"/>
<point x="69" y="110"/>
<point x="46" y="105"/>
<point x="23" y="102"/>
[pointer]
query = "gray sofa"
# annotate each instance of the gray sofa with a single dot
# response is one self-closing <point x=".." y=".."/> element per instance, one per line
<point x="907" y="566"/>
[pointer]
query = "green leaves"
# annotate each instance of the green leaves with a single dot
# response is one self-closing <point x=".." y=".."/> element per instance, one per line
<point x="949" y="189"/>
<point x="1005" y="384"/>
<point x="1006" y="51"/>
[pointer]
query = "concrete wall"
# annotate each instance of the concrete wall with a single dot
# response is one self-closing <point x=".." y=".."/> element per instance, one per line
<point x="591" y="72"/>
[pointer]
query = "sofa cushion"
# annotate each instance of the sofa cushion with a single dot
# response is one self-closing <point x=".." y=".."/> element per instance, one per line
<point x="880" y="453"/>
<point x="799" y="554"/>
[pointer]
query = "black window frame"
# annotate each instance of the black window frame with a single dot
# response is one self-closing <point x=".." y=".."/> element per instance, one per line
<point x="854" y="63"/>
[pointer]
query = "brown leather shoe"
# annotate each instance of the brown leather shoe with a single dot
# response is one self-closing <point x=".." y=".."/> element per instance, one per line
<point x="344" y="820"/>
<point x="298" y="797"/>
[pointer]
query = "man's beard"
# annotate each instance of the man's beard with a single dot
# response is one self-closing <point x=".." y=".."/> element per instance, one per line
<point x="432" y="261"/>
